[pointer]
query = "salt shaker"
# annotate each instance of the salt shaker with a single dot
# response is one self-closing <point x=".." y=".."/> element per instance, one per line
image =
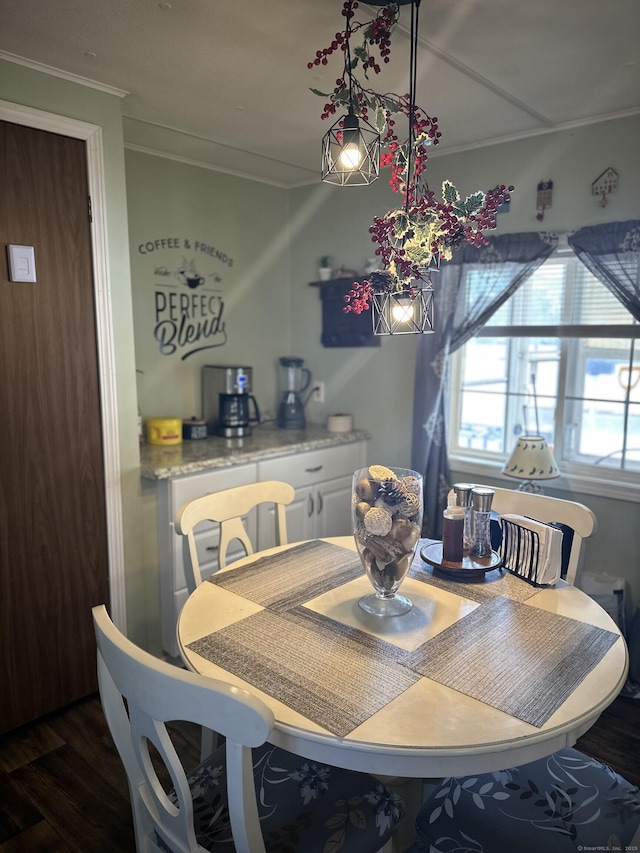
<point x="462" y="492"/>
<point x="481" y="500"/>
<point x="452" y="534"/>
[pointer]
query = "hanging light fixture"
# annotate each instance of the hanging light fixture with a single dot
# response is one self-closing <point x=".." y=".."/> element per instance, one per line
<point x="413" y="238"/>
<point x="351" y="147"/>
<point x="404" y="312"/>
<point x="350" y="153"/>
<point x="408" y="310"/>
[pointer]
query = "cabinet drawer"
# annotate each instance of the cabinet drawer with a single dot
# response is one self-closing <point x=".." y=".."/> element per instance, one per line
<point x="192" y="486"/>
<point x="314" y="466"/>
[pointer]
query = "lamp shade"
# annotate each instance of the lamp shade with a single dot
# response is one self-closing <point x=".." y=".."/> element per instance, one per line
<point x="531" y="459"/>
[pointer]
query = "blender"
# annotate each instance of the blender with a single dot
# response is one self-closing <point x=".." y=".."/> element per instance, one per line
<point x="293" y="381"/>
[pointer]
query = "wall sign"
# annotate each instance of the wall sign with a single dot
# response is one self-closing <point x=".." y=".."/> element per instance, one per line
<point x="188" y="299"/>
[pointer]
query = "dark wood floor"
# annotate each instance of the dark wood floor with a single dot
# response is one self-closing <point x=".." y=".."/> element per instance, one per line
<point x="62" y="787"/>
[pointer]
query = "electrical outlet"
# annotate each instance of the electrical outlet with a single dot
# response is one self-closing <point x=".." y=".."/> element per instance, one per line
<point x="318" y="392"/>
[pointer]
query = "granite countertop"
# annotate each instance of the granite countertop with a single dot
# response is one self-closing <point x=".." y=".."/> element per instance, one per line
<point x="160" y="463"/>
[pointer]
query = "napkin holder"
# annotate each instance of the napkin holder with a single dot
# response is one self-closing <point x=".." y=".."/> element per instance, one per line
<point x="531" y="549"/>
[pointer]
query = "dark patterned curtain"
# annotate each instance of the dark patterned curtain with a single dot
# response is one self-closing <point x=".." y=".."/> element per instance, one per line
<point x="611" y="251"/>
<point x="469" y="289"/>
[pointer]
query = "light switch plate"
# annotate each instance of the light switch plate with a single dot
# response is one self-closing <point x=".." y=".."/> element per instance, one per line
<point x="22" y="263"/>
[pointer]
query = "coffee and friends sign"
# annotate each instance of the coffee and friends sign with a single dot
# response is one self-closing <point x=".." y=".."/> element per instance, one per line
<point x="188" y="299"/>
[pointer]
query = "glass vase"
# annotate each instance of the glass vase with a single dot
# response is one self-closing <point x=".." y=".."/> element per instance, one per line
<point x="387" y="507"/>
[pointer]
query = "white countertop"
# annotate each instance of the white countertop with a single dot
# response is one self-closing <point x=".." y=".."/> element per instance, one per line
<point x="161" y="463"/>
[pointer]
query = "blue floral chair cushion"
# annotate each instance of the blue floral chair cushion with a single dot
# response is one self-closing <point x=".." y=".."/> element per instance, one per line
<point x="302" y="805"/>
<point x="567" y="802"/>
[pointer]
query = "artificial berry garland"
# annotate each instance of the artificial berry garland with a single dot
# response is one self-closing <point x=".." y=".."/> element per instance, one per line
<point x="379" y="110"/>
<point x="409" y="237"/>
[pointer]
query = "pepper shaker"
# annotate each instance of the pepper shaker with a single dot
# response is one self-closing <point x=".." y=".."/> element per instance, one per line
<point x="481" y="500"/>
<point x="462" y="492"/>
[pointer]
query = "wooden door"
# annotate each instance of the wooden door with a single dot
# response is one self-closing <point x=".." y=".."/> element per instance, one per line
<point x="53" y="539"/>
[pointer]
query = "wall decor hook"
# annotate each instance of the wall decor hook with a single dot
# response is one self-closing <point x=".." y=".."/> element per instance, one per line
<point x="604" y="185"/>
<point x="543" y="198"/>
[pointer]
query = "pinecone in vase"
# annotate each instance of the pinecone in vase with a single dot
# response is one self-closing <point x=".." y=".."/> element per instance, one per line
<point x="391" y="492"/>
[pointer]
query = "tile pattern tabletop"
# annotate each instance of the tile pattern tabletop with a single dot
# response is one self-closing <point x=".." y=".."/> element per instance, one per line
<point x="505" y="653"/>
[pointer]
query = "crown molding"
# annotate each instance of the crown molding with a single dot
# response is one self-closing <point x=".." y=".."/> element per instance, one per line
<point x="64" y="75"/>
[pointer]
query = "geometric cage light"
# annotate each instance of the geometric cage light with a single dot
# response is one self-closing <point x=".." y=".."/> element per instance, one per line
<point x="403" y="313"/>
<point x="350" y="153"/>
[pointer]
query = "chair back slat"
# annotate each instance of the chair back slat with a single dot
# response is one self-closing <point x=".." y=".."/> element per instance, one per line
<point x="227" y="508"/>
<point x="139" y="695"/>
<point x="575" y="515"/>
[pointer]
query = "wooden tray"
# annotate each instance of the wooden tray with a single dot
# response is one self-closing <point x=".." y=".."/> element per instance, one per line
<point x="470" y="567"/>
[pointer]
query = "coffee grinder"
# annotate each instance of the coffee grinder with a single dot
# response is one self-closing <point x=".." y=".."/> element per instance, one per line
<point x="293" y="381"/>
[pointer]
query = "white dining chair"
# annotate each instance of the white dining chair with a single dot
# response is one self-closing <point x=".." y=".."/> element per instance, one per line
<point x="560" y="804"/>
<point x="565" y="802"/>
<point x="246" y="793"/>
<point x="227" y="508"/>
<point x="576" y="516"/>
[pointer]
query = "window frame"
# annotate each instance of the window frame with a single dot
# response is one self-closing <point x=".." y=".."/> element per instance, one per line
<point x="574" y="476"/>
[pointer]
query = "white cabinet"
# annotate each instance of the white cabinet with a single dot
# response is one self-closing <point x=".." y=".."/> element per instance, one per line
<point x="321" y="507"/>
<point x="322" y="480"/>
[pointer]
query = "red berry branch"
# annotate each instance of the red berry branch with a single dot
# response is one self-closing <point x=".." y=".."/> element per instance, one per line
<point x="425" y="227"/>
<point x="379" y="110"/>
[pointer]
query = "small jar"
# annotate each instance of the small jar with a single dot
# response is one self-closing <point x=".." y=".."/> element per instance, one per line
<point x="462" y="492"/>
<point x="481" y="500"/>
<point x="452" y="534"/>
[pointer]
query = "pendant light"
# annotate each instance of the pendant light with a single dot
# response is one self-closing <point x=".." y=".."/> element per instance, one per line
<point x="351" y="147"/>
<point x="408" y="311"/>
<point x="412" y="239"/>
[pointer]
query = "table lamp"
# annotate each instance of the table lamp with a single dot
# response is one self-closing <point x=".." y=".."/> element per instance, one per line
<point x="531" y="460"/>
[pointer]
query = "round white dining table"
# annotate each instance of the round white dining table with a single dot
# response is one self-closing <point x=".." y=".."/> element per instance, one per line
<point x="429" y="729"/>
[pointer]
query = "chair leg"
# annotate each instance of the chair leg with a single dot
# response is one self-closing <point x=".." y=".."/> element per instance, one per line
<point x="411" y="791"/>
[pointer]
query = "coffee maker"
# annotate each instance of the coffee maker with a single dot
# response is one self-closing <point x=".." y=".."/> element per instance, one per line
<point x="293" y="381"/>
<point x="226" y="400"/>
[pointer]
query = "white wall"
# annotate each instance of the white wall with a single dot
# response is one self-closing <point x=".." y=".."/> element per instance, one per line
<point x="243" y="253"/>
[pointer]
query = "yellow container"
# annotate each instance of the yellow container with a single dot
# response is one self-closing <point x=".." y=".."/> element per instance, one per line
<point x="164" y="431"/>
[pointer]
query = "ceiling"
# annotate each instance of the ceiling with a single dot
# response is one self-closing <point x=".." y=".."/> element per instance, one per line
<point x="225" y="82"/>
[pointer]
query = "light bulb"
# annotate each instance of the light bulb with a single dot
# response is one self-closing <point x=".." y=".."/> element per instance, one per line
<point x="350" y="156"/>
<point x="402" y="312"/>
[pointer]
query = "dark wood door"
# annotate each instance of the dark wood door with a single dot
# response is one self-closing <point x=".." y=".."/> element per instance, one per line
<point x="53" y="541"/>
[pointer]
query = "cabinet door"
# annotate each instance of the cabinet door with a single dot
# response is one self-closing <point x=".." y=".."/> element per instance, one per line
<point x="301" y="519"/>
<point x="322" y="480"/>
<point x="333" y="511"/>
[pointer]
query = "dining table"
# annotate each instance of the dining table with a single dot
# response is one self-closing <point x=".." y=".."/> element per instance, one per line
<point x="480" y="675"/>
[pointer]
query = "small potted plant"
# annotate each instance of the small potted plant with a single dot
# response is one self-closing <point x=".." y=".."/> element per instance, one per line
<point x="325" y="268"/>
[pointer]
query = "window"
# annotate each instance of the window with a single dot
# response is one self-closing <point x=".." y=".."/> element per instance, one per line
<point x="561" y="357"/>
